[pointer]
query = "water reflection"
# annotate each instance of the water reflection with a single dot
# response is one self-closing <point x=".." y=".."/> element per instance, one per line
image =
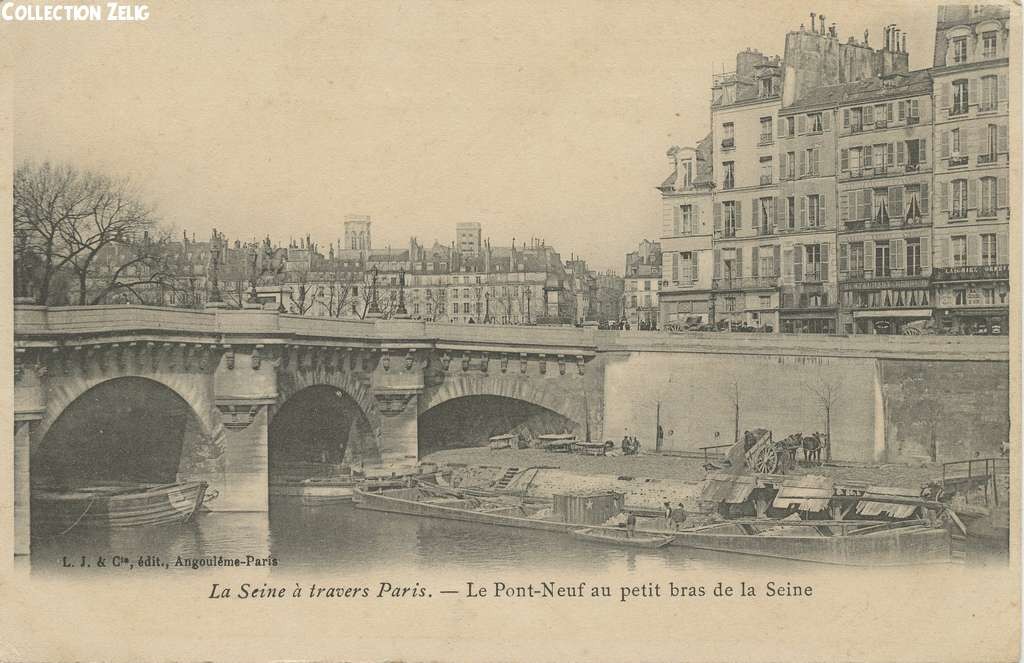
<point x="343" y="538"/>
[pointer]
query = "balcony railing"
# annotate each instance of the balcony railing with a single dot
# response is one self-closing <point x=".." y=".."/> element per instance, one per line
<point x="958" y="110"/>
<point x="765" y="139"/>
<point x="728" y="143"/>
<point x="766" y="180"/>
<point x="729" y="183"/>
<point x="957" y="160"/>
<point x="958" y="213"/>
<point x="890" y="273"/>
<point x="913" y="119"/>
<point x="762" y="231"/>
<point x="987" y="158"/>
<point x="744" y="282"/>
<point x="988" y="212"/>
<point x="972" y="273"/>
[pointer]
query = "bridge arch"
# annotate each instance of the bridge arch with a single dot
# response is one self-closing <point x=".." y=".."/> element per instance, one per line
<point x="126" y="428"/>
<point x="468" y="409"/>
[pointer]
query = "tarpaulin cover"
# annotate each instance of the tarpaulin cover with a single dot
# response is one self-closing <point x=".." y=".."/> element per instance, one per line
<point x="872" y="508"/>
<point x="809" y="493"/>
<point x="727" y="488"/>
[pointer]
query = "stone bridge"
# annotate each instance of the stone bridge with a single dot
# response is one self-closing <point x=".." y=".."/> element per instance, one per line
<point x="165" y="394"/>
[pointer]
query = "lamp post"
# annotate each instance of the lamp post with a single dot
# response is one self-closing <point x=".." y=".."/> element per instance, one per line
<point x="280" y="299"/>
<point x="401" y="293"/>
<point x="487" y="308"/>
<point x="374" y="308"/>
<point x="215" y="268"/>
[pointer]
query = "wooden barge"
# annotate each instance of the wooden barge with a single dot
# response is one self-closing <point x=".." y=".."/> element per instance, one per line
<point x="109" y="506"/>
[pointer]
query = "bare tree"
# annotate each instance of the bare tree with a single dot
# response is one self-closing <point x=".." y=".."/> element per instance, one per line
<point x="734" y="398"/>
<point x="826" y="392"/>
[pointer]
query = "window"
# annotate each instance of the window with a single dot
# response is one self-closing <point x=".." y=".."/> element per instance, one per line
<point x="988" y="296"/>
<point x="959" y="50"/>
<point x="728" y="175"/>
<point x="765" y="301"/>
<point x="954" y="141"/>
<point x="767" y="89"/>
<point x="455" y="308"/>
<point x="916" y="153"/>
<point x="791" y="213"/>
<point x="647" y="285"/>
<point x="790" y="165"/>
<point x="991" y="145"/>
<point x="790" y="126"/>
<point x="686" y="170"/>
<point x="815" y="121"/>
<point x="684" y="220"/>
<point x="960" y="296"/>
<point x="465" y="292"/>
<point x="766" y="129"/>
<point x="729" y="210"/>
<point x="913" y="257"/>
<point x="857" y="258"/>
<point x="815" y="211"/>
<point x="763" y="216"/>
<point x="766" y="262"/>
<point x="988" y="249"/>
<point x="882" y="266"/>
<point x="988" y="44"/>
<point x="855" y="154"/>
<point x="812" y="266"/>
<point x="988" y="196"/>
<point x="728" y="135"/>
<point x="959" y="246"/>
<point x="766" y="170"/>
<point x="961" y="97"/>
<point x="880" y="115"/>
<point x="730" y="304"/>
<point x="856" y="119"/>
<point x="989" y="93"/>
<point x="958" y="205"/>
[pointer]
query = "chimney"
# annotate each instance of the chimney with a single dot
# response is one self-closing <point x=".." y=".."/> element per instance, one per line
<point x="903" y="45"/>
<point x="885" y="37"/>
<point x="822" y="19"/>
<point x="814" y="24"/>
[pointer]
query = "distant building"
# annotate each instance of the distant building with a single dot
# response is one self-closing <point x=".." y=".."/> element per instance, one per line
<point x="357" y="232"/>
<point x="468" y="238"/>
<point x="642" y="283"/>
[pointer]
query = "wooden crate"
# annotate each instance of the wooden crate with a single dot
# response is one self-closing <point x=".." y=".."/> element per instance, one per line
<point x="588" y="508"/>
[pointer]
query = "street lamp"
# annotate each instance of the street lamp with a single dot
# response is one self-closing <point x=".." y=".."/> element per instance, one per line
<point x="374" y="308"/>
<point x="487" y="308"/>
<point x="215" y="268"/>
<point x="401" y="292"/>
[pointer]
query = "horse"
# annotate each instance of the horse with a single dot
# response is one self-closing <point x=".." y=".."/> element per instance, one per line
<point x="812" y="446"/>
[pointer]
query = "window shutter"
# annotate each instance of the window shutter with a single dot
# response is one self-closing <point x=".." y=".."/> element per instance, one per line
<point x="824" y="261"/>
<point x="739" y="262"/>
<point x="816" y="154"/>
<point x="826" y="120"/>
<point x="972" y="92"/>
<point x="897" y="254"/>
<point x="694" y="265"/>
<point x="775" y="260"/>
<point x="972" y="193"/>
<point x="926" y="254"/>
<point x="869" y="256"/>
<point x="944" y="144"/>
<point x="943" y="252"/>
<point x="902" y="110"/>
<point x="803" y="211"/>
<point x="801" y="123"/>
<point x="782" y="164"/>
<point x="844" y="208"/>
<point x="844" y="159"/>
<point x="755" y="253"/>
<point x="844" y="262"/>
<point x="865" y="204"/>
<point x="787" y="266"/>
<point x="780" y="213"/>
<point x="803" y="163"/>
<point x="1003" y="89"/>
<point x="1002" y="192"/>
<point x="896" y="207"/>
<point x="1002" y="248"/>
<point x="822" y="210"/>
<point x="943" y="196"/>
<point x="868" y="159"/>
<point x="676" y="211"/>
<point x="889" y="151"/>
<point x="924" y="198"/>
<point x="973" y="250"/>
<point x="846" y="118"/>
<point x="782" y="127"/>
<point x="739" y="214"/>
<point x="943" y="97"/>
<point x="675" y="267"/>
<point x="1004" y="139"/>
<point x="798" y="267"/>
<point x="716" y="259"/>
<point x="755" y="214"/>
<point x="922" y="150"/>
<point x="888" y="112"/>
<point x="717" y="214"/>
<point x="869" y="115"/>
<point x="900" y="151"/>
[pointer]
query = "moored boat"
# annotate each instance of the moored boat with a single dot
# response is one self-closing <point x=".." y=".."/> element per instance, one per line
<point x="620" y="537"/>
<point x="108" y="506"/>
<point x="329" y="490"/>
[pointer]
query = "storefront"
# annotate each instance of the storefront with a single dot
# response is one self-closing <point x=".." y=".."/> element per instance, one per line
<point x="972" y="300"/>
<point x="888" y="321"/>
<point x="685" y="309"/>
<point x="808" y="322"/>
<point x="884" y="306"/>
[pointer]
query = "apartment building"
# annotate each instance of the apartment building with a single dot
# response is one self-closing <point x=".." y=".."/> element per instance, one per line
<point x="642" y="284"/>
<point x="745" y="253"/>
<point x="884" y="180"/>
<point x="686" y="198"/>
<point x="972" y="158"/>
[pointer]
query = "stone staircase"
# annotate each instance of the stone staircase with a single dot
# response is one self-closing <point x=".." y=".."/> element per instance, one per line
<point x="505" y="479"/>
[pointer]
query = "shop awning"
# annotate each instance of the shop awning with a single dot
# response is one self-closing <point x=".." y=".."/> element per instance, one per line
<point x="872" y="508"/>
<point x="895" y="313"/>
<point x="809" y="493"/>
<point x="727" y="488"/>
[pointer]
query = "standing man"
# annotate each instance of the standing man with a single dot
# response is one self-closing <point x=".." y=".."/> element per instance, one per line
<point x="630" y="525"/>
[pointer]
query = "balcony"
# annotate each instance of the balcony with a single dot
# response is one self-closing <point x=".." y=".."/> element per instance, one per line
<point x="872" y="275"/>
<point x="912" y="167"/>
<point x="808" y="297"/>
<point x="956" y="111"/>
<point x="912" y="120"/>
<point x="958" y="160"/>
<point x="815" y="275"/>
<point x="766" y="180"/>
<point x="764" y="231"/>
<point x="728" y="183"/>
<point x="973" y="273"/>
<point x="745" y="283"/>
<point x="856" y="128"/>
<point x="728" y="143"/>
<point x="987" y="159"/>
<point x="765" y="139"/>
<point x="881" y="124"/>
<point x="958" y="214"/>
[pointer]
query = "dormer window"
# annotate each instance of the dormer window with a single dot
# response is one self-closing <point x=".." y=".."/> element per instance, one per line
<point x="685" y="173"/>
<point x="988" y="44"/>
<point x="767" y="89"/>
<point x="959" y="50"/>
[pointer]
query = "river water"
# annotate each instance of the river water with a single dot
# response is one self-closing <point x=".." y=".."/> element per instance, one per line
<point x="343" y="538"/>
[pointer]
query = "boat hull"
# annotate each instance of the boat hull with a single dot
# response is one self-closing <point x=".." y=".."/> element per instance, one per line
<point x="619" y="538"/>
<point x="148" y="506"/>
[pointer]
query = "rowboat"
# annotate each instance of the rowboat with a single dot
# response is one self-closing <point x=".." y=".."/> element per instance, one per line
<point x="501" y="441"/>
<point x="329" y="490"/>
<point x="620" y="537"/>
<point x="558" y="442"/>
<point x="108" y="506"/>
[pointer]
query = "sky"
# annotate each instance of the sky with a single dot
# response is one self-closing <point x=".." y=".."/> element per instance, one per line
<point x="536" y="119"/>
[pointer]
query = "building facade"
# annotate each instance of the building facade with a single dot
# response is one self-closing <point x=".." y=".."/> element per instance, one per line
<point x="642" y="284"/>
